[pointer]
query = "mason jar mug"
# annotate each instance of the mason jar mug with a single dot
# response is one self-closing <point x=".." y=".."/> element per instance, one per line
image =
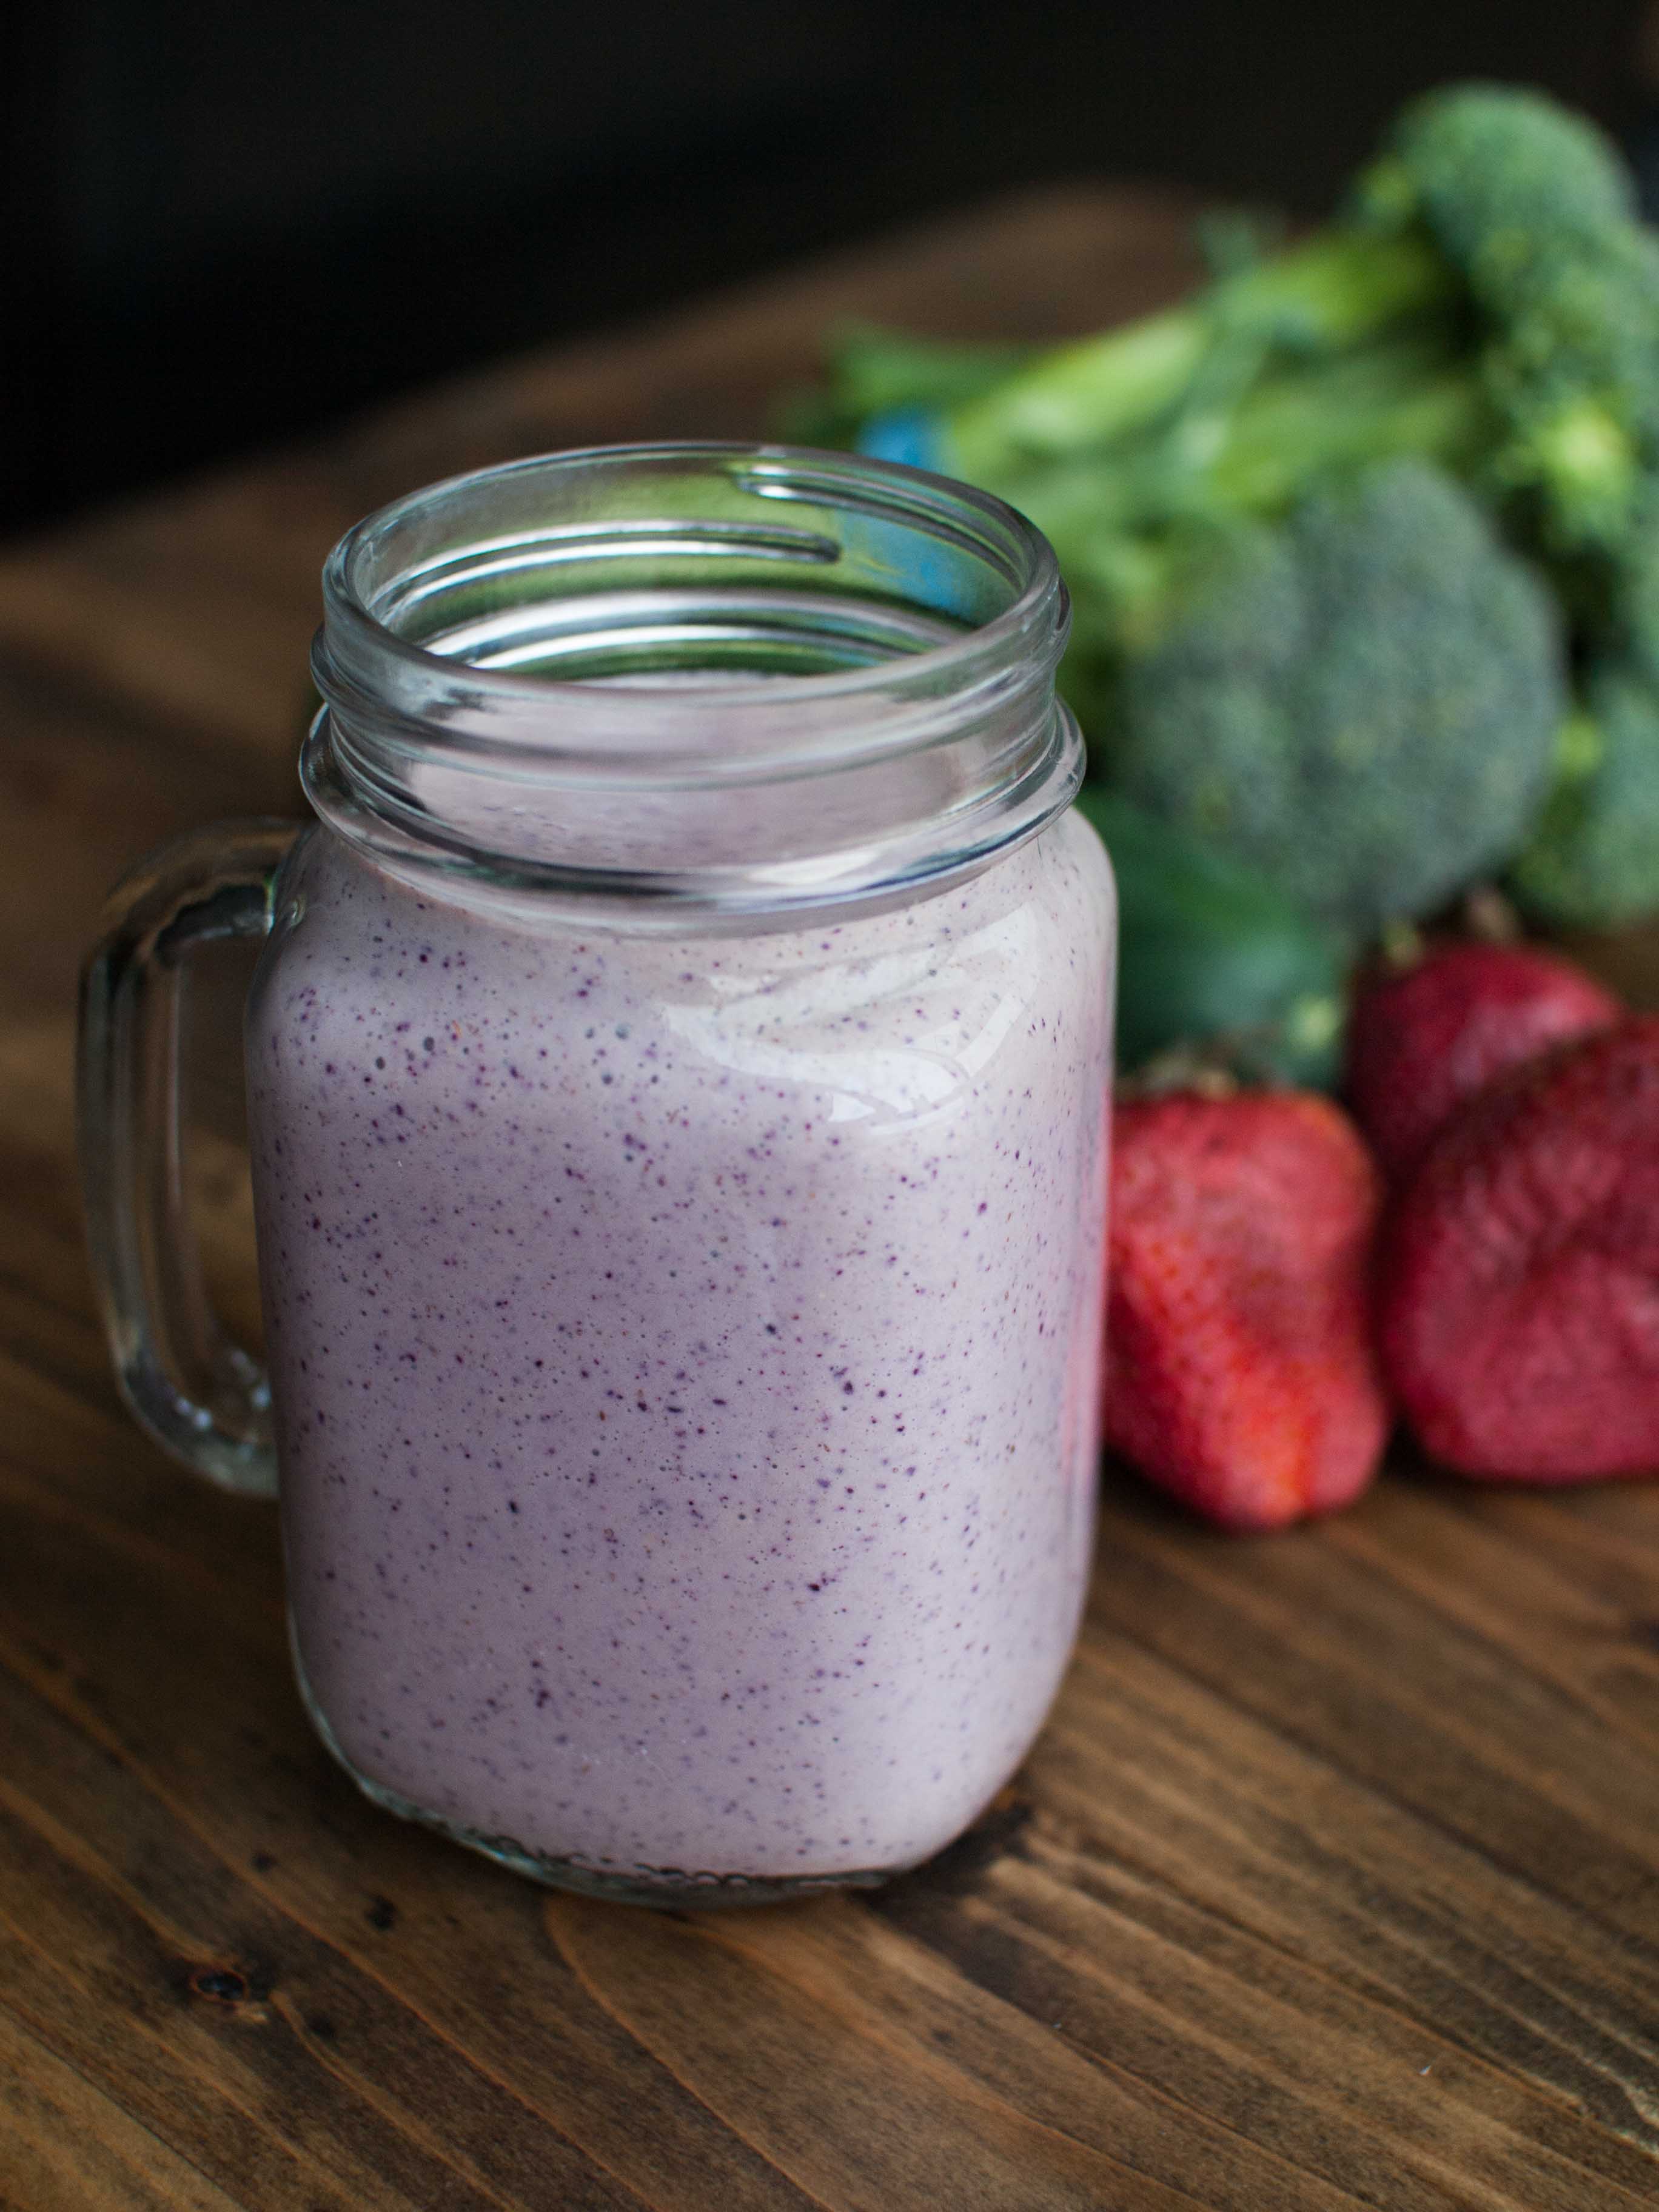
<point x="678" y="1069"/>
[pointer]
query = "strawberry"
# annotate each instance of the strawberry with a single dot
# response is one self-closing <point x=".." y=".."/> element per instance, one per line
<point x="1421" y="1041"/>
<point x="1240" y="1369"/>
<point x="1518" y="1307"/>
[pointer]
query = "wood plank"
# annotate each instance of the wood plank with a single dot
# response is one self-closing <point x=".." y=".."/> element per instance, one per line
<point x="786" y="2022"/>
<point x="64" y="2142"/>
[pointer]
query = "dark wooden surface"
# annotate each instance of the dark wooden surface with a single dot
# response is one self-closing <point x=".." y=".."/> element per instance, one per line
<point x="1334" y="1882"/>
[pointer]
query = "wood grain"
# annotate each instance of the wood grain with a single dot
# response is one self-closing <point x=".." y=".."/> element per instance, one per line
<point x="1334" y="1881"/>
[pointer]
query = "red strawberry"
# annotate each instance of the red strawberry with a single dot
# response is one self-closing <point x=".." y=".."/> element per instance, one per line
<point x="1240" y="1369"/>
<point x="1420" y="1042"/>
<point x="1519" y="1300"/>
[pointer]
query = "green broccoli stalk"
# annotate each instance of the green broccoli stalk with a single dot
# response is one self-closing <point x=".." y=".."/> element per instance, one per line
<point x="1361" y="704"/>
<point x="1119" y="530"/>
<point x="876" y="371"/>
<point x="1339" y="289"/>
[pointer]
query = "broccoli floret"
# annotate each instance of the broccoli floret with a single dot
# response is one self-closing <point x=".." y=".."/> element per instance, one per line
<point x="1593" y="859"/>
<point x="1362" y="702"/>
<point x="1593" y="862"/>
<point x="1574" y="377"/>
<point x="1537" y="213"/>
<point x="1490" y="169"/>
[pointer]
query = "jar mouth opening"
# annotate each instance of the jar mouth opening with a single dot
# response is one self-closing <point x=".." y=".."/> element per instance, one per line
<point x="390" y="583"/>
<point x="777" y="675"/>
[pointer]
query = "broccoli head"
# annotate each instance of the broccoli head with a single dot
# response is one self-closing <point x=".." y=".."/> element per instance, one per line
<point x="1574" y="376"/>
<point x="1363" y="703"/>
<point x="1535" y="210"/>
<point x="1593" y="862"/>
<point x="1491" y="168"/>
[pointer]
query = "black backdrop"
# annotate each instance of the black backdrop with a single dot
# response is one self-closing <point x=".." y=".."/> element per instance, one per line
<point x="226" y="222"/>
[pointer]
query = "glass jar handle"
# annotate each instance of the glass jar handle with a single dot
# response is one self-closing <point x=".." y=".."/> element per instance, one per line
<point x="202" y="1397"/>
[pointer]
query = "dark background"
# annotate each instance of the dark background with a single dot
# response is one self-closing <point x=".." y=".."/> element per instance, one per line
<point x="226" y="223"/>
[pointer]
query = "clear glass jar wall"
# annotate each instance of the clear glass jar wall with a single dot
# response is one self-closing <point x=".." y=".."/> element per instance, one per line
<point x="679" y="1078"/>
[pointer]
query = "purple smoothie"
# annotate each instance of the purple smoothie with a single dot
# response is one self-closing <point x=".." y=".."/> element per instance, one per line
<point x="685" y="1356"/>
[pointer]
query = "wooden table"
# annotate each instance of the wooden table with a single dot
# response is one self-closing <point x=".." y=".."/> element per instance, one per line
<point x="1334" y="1880"/>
